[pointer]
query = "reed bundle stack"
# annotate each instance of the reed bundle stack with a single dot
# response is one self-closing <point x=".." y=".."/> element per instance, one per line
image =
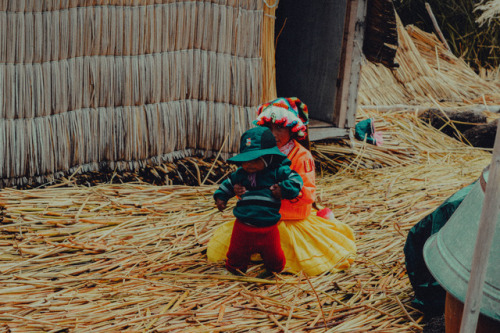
<point x="462" y="24"/>
<point x="123" y="84"/>
<point x="489" y="10"/>
<point x="428" y="75"/>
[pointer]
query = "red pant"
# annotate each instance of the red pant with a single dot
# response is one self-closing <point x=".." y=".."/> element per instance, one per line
<point x="247" y="240"/>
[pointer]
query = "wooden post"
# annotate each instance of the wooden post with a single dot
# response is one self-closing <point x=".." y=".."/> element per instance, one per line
<point x="436" y="26"/>
<point x="356" y="61"/>
<point x="346" y="102"/>
<point x="487" y="223"/>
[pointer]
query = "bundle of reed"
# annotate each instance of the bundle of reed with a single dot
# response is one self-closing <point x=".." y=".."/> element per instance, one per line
<point x="268" y="51"/>
<point x="123" y="84"/>
<point x="407" y="140"/>
<point x="461" y="23"/>
<point x="131" y="257"/>
<point x="427" y="73"/>
<point x="455" y="70"/>
<point x="490" y="10"/>
<point x="191" y="171"/>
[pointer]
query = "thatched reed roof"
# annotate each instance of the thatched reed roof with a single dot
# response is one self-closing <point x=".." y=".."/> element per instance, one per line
<point x="86" y="85"/>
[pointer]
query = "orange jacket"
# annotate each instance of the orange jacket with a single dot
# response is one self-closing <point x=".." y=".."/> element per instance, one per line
<point x="300" y="207"/>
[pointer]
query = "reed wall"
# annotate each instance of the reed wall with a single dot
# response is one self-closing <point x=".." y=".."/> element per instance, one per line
<point x="120" y="84"/>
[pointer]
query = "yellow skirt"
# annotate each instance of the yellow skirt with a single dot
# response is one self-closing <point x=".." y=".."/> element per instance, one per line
<point x="313" y="245"/>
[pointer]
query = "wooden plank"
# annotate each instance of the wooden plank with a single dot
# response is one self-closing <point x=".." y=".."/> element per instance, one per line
<point x="345" y="72"/>
<point x="487" y="224"/>
<point x="357" y="59"/>
<point x="436" y="26"/>
<point x="345" y="115"/>
<point x="320" y="130"/>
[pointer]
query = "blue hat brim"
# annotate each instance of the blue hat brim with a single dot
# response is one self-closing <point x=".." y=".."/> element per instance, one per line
<point x="255" y="154"/>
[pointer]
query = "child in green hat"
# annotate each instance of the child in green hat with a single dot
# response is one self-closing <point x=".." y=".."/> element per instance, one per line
<point x="265" y="175"/>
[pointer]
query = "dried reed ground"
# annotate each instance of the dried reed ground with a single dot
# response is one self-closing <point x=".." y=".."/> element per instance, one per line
<point x="131" y="257"/>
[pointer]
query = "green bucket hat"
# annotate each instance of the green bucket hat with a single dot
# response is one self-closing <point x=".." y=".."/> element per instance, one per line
<point x="255" y="143"/>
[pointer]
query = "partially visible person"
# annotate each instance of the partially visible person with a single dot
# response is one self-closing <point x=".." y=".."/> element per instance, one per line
<point x="263" y="178"/>
<point x="311" y="244"/>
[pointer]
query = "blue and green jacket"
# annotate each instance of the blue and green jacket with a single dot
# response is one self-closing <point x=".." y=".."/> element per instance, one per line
<point x="258" y="206"/>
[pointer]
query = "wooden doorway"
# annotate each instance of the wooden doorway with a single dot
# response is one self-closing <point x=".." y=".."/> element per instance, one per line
<point x="311" y="63"/>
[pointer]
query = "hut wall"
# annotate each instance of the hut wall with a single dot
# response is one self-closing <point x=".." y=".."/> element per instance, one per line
<point x="123" y="83"/>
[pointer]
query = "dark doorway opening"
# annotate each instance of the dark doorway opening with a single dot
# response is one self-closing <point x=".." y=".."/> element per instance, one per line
<point x="308" y="53"/>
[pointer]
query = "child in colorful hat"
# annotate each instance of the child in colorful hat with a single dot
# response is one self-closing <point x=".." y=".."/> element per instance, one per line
<point x="286" y="112"/>
<point x="264" y="178"/>
<point x="313" y="243"/>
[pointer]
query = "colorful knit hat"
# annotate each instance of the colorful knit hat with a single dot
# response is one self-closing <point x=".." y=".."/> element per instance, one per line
<point x="285" y="111"/>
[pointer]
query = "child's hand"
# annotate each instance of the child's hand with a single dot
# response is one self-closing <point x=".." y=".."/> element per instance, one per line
<point x="239" y="190"/>
<point x="221" y="204"/>
<point x="276" y="191"/>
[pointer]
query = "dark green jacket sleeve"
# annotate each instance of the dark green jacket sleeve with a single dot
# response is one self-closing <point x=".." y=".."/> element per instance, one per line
<point x="290" y="182"/>
<point x="226" y="189"/>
